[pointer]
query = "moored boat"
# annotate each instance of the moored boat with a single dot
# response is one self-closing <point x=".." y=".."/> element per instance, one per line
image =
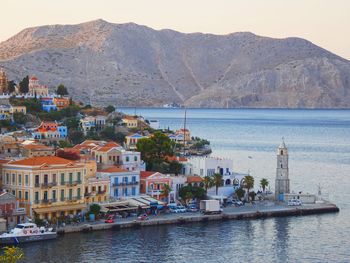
<point x="27" y="232"/>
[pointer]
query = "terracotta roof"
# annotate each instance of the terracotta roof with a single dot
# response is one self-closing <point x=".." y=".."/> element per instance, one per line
<point x="37" y="161"/>
<point x="145" y="174"/>
<point x="176" y="158"/>
<point x="114" y="169"/>
<point x="194" y="179"/>
<point x="33" y="78"/>
<point x="4" y="161"/>
<point x="37" y="146"/>
<point x="111" y="144"/>
<point x="129" y="118"/>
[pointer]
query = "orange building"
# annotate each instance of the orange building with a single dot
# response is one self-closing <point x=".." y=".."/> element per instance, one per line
<point x="152" y="183"/>
<point x="61" y="103"/>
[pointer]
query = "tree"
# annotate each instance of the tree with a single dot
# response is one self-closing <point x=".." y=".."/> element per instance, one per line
<point x="95" y="209"/>
<point x="217" y="182"/>
<point x="75" y="136"/>
<point x="155" y="149"/>
<point x="120" y="137"/>
<point x="175" y="167"/>
<point x="108" y="134"/>
<point x="11" y="86"/>
<point x="188" y="192"/>
<point x="166" y="191"/>
<point x="240" y="193"/>
<point x="248" y="183"/>
<point x="61" y="90"/>
<point x="11" y="255"/>
<point x="72" y="123"/>
<point x="24" y="85"/>
<point x="264" y="183"/>
<point x="64" y="144"/>
<point x="208" y="183"/>
<point x="69" y="155"/>
<point x="110" y="109"/>
<point x="19" y="118"/>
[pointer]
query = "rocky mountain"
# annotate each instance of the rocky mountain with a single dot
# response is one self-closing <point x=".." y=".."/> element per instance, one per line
<point x="131" y="65"/>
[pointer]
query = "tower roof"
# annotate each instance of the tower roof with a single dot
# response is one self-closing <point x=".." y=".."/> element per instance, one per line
<point x="282" y="145"/>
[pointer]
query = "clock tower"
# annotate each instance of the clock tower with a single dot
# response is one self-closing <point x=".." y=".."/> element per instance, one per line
<point x="282" y="172"/>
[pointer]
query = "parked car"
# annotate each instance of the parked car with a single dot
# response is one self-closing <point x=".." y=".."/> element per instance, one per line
<point x="294" y="202"/>
<point x="182" y="209"/>
<point x="192" y="209"/>
<point x="110" y="219"/>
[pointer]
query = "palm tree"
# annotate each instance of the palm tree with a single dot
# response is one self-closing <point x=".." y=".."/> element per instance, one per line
<point x="208" y="183"/>
<point x="264" y="183"/>
<point x="166" y="191"/>
<point x="217" y="182"/>
<point x="248" y="183"/>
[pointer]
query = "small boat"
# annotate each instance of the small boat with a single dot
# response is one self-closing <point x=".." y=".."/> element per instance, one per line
<point x="27" y="232"/>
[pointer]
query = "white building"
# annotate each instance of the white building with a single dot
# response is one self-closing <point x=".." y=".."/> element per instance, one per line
<point x="92" y="123"/>
<point x="204" y="166"/>
<point x="131" y="161"/>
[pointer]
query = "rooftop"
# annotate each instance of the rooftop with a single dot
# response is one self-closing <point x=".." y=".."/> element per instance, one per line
<point x="38" y="161"/>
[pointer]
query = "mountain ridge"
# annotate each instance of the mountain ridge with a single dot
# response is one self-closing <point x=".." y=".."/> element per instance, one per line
<point x="132" y="65"/>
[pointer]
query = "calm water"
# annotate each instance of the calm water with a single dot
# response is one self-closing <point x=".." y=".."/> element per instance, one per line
<point x="319" y="146"/>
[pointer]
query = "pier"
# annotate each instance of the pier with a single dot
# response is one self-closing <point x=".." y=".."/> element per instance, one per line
<point x="255" y="211"/>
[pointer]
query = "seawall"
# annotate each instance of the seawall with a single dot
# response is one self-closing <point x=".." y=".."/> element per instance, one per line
<point x="197" y="217"/>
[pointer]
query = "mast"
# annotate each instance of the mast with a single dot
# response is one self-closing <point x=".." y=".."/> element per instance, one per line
<point x="184" y="133"/>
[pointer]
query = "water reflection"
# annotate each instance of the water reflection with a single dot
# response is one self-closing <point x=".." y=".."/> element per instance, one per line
<point x="281" y="229"/>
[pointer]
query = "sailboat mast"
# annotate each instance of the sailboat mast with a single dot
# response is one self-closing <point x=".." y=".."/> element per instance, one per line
<point x="184" y="133"/>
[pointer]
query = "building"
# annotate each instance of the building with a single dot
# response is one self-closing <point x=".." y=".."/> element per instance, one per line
<point x="184" y="132"/>
<point x="123" y="183"/>
<point x="3" y="82"/>
<point x="131" y="121"/>
<point x="97" y="190"/>
<point x="10" y="211"/>
<point x="61" y="102"/>
<point x="47" y="187"/>
<point x="36" y="150"/>
<point x="131" y="140"/>
<point x="49" y="132"/>
<point x="152" y="184"/>
<point x="35" y="89"/>
<point x="47" y="104"/>
<point x="282" y="172"/>
<point x="7" y="111"/>
<point x="204" y="166"/>
<point x="92" y="123"/>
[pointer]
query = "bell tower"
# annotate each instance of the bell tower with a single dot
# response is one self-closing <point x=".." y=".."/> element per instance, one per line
<point x="282" y="172"/>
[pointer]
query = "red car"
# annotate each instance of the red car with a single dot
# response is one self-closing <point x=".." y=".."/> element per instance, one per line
<point x="110" y="219"/>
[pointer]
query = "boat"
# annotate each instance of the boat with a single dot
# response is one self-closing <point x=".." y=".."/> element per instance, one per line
<point x="173" y="105"/>
<point x="27" y="232"/>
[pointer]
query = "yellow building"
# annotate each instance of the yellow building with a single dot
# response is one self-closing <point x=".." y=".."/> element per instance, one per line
<point x="96" y="190"/>
<point x="130" y="121"/>
<point x="48" y="187"/>
<point x="36" y="150"/>
<point x="15" y="109"/>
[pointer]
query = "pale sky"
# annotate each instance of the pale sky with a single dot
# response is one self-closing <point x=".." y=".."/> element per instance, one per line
<point x="324" y="22"/>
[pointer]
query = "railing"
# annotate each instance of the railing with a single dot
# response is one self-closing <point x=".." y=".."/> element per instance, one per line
<point x="48" y="185"/>
<point x="72" y="183"/>
<point x="125" y="183"/>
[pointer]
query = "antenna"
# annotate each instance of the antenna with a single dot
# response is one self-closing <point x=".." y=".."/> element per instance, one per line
<point x="184" y="131"/>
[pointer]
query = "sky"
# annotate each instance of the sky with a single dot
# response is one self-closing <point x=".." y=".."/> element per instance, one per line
<point x="326" y="23"/>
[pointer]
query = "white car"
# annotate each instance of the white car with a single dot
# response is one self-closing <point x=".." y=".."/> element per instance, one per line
<point x="294" y="202"/>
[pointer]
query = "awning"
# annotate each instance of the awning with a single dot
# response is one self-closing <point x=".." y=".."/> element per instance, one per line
<point x="52" y="209"/>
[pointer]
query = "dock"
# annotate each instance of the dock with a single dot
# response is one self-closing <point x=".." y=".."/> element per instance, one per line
<point x="258" y="211"/>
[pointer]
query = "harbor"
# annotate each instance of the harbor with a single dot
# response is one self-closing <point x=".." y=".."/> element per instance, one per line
<point x="259" y="210"/>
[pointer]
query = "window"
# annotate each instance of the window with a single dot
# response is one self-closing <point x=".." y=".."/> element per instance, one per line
<point x="26" y="195"/>
<point x="37" y="181"/>
<point x="125" y="179"/>
<point x="27" y="179"/>
<point x="36" y="197"/>
<point x="19" y="179"/>
<point x="133" y="191"/>
<point x="7" y="178"/>
<point x="126" y="191"/>
<point x="110" y="158"/>
<point x="70" y="178"/>
<point x="70" y="194"/>
<point x="127" y="158"/>
<point x="46" y="179"/>
<point x="13" y="178"/>
<point x="134" y="179"/>
<point x="54" y="178"/>
<point x="62" y="195"/>
<point x="45" y="195"/>
<point x="62" y="178"/>
<point x="54" y="195"/>
<point x="78" y="177"/>
<point x="116" y="192"/>
<point x="78" y="193"/>
<point x="115" y="181"/>
<point x="20" y="194"/>
<point x="135" y="158"/>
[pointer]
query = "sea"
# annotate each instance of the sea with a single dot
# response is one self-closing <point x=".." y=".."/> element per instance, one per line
<point x="319" y="158"/>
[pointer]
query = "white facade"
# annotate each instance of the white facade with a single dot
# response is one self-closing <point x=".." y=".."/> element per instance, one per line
<point x="204" y="166"/>
<point x="154" y="124"/>
<point x="132" y="161"/>
<point x="282" y="172"/>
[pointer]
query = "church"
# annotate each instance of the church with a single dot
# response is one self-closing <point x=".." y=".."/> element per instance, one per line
<point x="3" y="82"/>
<point x="35" y="89"/>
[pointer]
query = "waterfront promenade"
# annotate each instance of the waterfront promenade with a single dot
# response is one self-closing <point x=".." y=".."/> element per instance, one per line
<point x="249" y="211"/>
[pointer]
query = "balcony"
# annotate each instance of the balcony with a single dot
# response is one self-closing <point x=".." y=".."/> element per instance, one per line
<point x="72" y="183"/>
<point x="48" y="185"/>
<point x="125" y="183"/>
